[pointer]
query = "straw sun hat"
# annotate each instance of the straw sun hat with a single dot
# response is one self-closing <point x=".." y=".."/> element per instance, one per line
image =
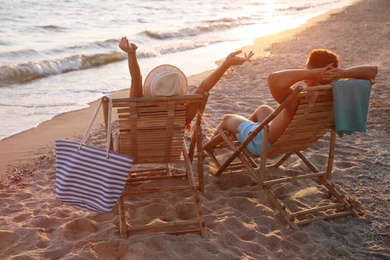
<point x="165" y="80"/>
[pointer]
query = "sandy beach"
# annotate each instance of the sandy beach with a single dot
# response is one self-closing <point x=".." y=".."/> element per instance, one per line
<point x="240" y="219"/>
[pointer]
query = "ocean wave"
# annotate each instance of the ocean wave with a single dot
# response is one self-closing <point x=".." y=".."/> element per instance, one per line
<point x="106" y="44"/>
<point x="213" y="25"/>
<point x="186" y="46"/>
<point x="19" y="53"/>
<point x="295" y="8"/>
<point x="25" y="72"/>
<point x="300" y="7"/>
<point x="54" y="28"/>
<point x="28" y="71"/>
<point x="68" y="104"/>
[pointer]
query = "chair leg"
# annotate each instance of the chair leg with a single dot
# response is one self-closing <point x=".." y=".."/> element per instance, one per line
<point x="195" y="193"/>
<point x="281" y="160"/>
<point x="332" y="146"/>
<point x="307" y="162"/>
<point x="213" y="158"/>
<point x="122" y="219"/>
<point x="116" y="142"/>
<point x="282" y="209"/>
<point x="236" y="154"/>
<point x="263" y="159"/>
<point x="200" y="162"/>
<point x="331" y="187"/>
<point x="200" y="173"/>
<point x="199" y="212"/>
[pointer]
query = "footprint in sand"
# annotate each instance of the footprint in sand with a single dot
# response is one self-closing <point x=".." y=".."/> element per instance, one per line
<point x="79" y="228"/>
<point x="8" y="238"/>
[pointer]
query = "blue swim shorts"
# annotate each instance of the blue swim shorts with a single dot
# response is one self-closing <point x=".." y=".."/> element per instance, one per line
<point x="245" y="129"/>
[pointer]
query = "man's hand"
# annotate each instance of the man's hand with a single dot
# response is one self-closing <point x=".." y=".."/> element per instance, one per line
<point x="330" y="73"/>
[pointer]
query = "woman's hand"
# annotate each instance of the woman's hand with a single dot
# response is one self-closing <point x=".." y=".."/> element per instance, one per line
<point x="126" y="47"/>
<point x="233" y="59"/>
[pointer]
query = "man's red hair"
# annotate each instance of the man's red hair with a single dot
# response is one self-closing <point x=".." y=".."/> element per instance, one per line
<point x="320" y="58"/>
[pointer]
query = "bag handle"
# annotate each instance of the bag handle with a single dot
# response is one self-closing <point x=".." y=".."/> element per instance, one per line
<point x="108" y="139"/>
<point x="87" y="132"/>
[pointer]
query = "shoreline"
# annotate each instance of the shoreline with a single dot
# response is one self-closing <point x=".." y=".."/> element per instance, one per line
<point x="241" y="221"/>
<point x="35" y="142"/>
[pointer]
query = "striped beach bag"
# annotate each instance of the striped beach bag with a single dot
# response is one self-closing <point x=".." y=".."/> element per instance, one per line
<point x="90" y="178"/>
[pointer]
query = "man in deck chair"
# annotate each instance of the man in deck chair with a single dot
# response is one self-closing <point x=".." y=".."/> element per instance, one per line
<point x="322" y="67"/>
<point x="168" y="80"/>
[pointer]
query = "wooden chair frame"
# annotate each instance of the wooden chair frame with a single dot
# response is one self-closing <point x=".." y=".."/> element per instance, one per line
<point x="152" y="130"/>
<point x="313" y="119"/>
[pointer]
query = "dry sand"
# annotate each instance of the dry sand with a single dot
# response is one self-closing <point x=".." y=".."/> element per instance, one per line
<point x="241" y="222"/>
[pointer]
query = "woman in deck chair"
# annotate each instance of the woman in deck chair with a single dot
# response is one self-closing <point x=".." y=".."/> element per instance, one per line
<point x="322" y="67"/>
<point x="168" y="80"/>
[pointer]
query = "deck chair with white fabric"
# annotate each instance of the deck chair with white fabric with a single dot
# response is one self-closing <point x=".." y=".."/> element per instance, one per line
<point x="314" y="120"/>
<point x="152" y="131"/>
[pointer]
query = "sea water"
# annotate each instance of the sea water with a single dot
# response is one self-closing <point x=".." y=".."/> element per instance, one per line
<point x="57" y="56"/>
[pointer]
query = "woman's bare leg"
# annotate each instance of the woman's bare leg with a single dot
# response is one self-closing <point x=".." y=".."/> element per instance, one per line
<point x="136" y="89"/>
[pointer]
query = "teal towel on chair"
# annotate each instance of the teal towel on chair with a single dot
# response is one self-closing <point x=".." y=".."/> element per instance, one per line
<point x="351" y="101"/>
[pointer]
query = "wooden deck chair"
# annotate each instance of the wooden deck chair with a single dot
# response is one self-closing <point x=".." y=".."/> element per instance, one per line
<point x="152" y="130"/>
<point x="313" y="119"/>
